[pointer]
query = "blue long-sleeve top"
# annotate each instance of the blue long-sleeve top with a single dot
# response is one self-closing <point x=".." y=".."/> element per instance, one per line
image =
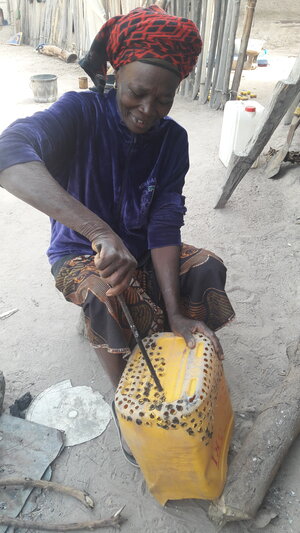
<point x="133" y="182"/>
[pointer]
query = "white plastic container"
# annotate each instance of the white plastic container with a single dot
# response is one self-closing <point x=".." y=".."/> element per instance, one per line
<point x="239" y="123"/>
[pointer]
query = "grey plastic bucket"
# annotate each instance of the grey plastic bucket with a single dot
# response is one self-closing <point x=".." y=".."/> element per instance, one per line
<point x="44" y="87"/>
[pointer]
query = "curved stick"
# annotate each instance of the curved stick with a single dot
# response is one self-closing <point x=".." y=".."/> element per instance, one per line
<point x="79" y="495"/>
<point x="114" y="520"/>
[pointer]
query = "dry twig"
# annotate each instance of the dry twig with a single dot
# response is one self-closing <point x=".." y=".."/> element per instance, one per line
<point x="79" y="495"/>
<point x="114" y="520"/>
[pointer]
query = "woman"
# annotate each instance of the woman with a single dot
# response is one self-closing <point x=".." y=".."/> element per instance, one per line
<point x="109" y="171"/>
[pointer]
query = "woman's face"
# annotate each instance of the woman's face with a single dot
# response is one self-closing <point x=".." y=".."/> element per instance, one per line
<point x="145" y="94"/>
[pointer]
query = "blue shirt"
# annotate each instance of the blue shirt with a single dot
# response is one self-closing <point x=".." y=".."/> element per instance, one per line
<point x="133" y="182"/>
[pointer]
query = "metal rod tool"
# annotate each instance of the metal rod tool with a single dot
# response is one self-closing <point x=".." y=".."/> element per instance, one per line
<point x="139" y="341"/>
<point x="135" y="332"/>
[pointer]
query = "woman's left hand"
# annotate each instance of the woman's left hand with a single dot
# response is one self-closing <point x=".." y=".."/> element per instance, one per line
<point x="185" y="327"/>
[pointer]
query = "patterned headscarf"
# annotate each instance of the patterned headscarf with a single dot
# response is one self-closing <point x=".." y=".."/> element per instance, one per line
<point x="144" y="34"/>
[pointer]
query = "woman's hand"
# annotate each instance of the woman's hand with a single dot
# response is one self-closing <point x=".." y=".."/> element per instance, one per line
<point x="185" y="327"/>
<point x="115" y="263"/>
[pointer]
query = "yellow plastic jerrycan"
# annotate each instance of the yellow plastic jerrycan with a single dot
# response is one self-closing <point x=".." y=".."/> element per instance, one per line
<point x="179" y="437"/>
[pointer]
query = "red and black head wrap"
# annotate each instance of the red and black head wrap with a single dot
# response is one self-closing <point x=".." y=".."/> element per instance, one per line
<point x="144" y="34"/>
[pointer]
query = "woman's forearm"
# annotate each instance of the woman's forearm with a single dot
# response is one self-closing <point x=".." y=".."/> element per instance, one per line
<point x="32" y="183"/>
<point x="166" y="265"/>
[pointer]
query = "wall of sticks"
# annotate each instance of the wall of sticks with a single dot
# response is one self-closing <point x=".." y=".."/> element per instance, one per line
<point x="72" y="24"/>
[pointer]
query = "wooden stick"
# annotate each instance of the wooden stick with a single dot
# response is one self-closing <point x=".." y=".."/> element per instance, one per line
<point x="256" y="464"/>
<point x="216" y="98"/>
<point x="180" y="13"/>
<point x="190" y="13"/>
<point x="249" y="13"/>
<point x="197" y="77"/>
<point x="114" y="520"/>
<point x="187" y="81"/>
<point x="290" y="113"/>
<point x="11" y="15"/>
<point x="206" y="40"/>
<point x="2" y="390"/>
<point x="79" y="495"/>
<point x="212" y="52"/>
<point x="187" y="84"/>
<point x="200" y="58"/>
<point x="198" y="7"/>
<point x="283" y="95"/>
<point x="230" y="51"/>
<point x="219" y="50"/>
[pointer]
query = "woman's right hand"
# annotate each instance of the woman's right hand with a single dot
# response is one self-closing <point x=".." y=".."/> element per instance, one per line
<point x="115" y="263"/>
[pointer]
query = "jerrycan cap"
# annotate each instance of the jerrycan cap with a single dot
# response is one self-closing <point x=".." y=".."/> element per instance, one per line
<point x="250" y="109"/>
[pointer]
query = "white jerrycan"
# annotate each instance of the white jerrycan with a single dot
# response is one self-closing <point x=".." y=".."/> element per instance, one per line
<point x="239" y="123"/>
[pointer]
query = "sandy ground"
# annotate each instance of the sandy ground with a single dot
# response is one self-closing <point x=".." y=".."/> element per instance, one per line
<point x="256" y="234"/>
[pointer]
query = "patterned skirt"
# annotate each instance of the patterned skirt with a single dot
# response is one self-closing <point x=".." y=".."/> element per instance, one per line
<point x="202" y="296"/>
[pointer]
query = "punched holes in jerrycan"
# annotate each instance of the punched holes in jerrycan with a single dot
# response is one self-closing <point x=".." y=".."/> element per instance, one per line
<point x="179" y="436"/>
<point x="44" y="87"/>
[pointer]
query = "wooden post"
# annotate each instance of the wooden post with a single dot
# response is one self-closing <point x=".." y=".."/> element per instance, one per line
<point x="197" y="77"/>
<point x="206" y="41"/>
<point x="230" y="51"/>
<point x="250" y="7"/>
<point x="290" y="113"/>
<point x="200" y="58"/>
<point x="2" y="390"/>
<point x="216" y="96"/>
<point x="283" y="95"/>
<point x="212" y="51"/>
<point x="257" y="462"/>
<point x="197" y="20"/>
<point x="188" y="80"/>
<point x="11" y="15"/>
<point x="219" y="50"/>
<point x="193" y="15"/>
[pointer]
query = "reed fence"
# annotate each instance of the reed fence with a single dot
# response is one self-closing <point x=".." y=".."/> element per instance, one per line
<point x="72" y="24"/>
